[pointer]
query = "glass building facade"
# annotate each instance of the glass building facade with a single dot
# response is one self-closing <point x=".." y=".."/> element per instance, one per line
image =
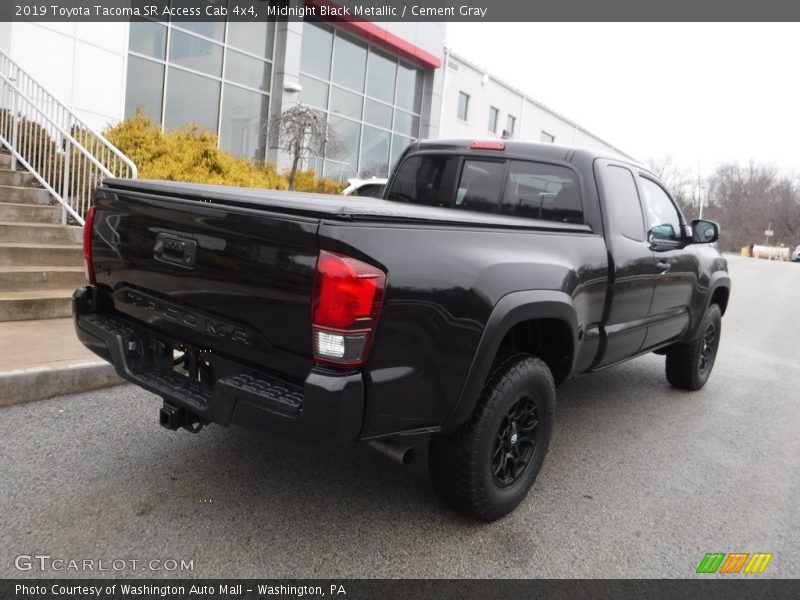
<point x="216" y="74"/>
<point x="372" y="101"/>
<point x="219" y="76"/>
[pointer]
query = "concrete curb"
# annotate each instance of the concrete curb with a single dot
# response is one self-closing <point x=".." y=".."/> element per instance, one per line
<point x="27" y="385"/>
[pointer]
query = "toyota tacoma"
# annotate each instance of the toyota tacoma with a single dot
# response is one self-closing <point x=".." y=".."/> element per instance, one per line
<point x="489" y="273"/>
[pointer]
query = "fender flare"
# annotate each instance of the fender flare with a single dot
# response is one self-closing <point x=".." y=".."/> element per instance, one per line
<point x="512" y="309"/>
<point x="720" y="279"/>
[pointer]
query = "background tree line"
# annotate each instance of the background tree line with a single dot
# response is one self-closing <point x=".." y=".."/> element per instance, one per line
<point x="743" y="199"/>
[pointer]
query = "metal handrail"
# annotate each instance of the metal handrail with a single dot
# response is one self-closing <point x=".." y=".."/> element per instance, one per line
<point x="66" y="156"/>
<point x="336" y="170"/>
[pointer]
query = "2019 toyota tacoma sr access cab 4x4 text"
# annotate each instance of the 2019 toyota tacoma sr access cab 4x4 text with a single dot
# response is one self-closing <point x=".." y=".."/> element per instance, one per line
<point x="452" y="308"/>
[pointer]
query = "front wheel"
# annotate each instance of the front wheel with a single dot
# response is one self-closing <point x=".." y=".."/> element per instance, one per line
<point x="689" y="365"/>
<point x="486" y="468"/>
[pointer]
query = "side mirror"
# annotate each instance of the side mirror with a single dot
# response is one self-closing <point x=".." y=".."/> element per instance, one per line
<point x="704" y="232"/>
<point x="662" y="232"/>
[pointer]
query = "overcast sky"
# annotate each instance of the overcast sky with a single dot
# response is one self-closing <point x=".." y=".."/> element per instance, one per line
<point x="701" y="93"/>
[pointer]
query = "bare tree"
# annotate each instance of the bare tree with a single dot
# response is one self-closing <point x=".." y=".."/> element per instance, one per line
<point x="746" y="200"/>
<point x="302" y="131"/>
<point x="677" y="180"/>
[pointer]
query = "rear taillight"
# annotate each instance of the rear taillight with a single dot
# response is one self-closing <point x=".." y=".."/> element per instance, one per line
<point x="348" y="295"/>
<point x="88" y="265"/>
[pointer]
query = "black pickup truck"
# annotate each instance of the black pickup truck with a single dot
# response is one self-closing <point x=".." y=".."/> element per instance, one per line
<point x="489" y="273"/>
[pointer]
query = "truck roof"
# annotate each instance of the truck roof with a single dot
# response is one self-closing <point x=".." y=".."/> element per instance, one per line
<point x="522" y="148"/>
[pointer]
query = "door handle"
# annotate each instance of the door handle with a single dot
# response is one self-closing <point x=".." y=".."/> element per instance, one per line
<point x="663" y="266"/>
<point x="176" y="251"/>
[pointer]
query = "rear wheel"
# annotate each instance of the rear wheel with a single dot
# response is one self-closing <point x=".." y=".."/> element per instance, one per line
<point x="486" y="468"/>
<point x="689" y="365"/>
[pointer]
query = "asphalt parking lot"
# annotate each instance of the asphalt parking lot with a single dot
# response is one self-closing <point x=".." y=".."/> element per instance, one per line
<point x="641" y="479"/>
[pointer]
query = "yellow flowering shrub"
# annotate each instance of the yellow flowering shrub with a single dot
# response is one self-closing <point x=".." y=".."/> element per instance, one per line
<point x="191" y="155"/>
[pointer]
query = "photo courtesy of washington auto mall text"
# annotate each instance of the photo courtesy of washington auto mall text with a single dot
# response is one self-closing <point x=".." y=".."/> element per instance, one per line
<point x="399" y="299"/>
<point x="167" y="590"/>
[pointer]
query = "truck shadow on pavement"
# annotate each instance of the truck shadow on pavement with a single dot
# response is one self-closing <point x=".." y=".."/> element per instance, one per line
<point x="241" y="504"/>
<point x="282" y="484"/>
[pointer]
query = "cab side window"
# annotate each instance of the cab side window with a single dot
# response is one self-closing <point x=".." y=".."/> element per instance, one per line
<point x="663" y="219"/>
<point x="624" y="199"/>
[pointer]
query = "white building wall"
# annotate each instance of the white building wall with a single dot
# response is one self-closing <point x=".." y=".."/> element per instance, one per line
<point x="428" y="36"/>
<point x="487" y="91"/>
<point x="81" y="64"/>
<point x="5" y="36"/>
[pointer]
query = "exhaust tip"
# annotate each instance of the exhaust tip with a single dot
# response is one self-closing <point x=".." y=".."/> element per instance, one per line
<point x="396" y="451"/>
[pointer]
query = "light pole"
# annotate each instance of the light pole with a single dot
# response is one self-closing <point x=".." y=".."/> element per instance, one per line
<point x="700" y="189"/>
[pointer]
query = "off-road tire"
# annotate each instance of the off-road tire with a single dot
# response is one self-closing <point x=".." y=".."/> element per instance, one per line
<point x="689" y="365"/>
<point x="463" y="464"/>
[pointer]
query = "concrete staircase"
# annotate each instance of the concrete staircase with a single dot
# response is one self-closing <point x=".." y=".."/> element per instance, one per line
<point x="41" y="261"/>
<point x="41" y="264"/>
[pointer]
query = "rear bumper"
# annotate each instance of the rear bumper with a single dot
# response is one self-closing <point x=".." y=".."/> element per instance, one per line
<point x="327" y="407"/>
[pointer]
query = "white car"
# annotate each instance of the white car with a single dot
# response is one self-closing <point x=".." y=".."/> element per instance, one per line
<point x="796" y="254"/>
<point x="372" y="187"/>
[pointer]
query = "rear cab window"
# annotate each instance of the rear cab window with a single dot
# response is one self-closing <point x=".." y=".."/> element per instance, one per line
<point x="542" y="191"/>
<point x="521" y="188"/>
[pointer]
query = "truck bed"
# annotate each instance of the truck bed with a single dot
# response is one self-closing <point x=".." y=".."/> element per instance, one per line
<point x="328" y="206"/>
<point x="247" y="295"/>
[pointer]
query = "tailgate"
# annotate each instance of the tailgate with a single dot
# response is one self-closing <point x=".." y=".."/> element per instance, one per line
<point x="233" y="279"/>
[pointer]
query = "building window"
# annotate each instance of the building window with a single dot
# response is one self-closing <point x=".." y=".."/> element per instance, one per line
<point x="217" y="75"/>
<point x="245" y="114"/>
<point x="494" y="116"/>
<point x="317" y="51"/>
<point x="511" y="124"/>
<point x="349" y="63"/>
<point x="548" y="138"/>
<point x="182" y="107"/>
<point x="149" y="39"/>
<point x="197" y="54"/>
<point x="463" y="106"/>
<point x="372" y="101"/>
<point x="145" y="88"/>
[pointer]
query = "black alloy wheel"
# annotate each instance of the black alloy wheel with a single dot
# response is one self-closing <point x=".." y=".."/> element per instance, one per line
<point x="515" y="442"/>
<point x="486" y="467"/>
<point x="709" y="349"/>
<point x="689" y="364"/>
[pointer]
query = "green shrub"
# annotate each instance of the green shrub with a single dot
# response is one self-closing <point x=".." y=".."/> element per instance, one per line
<point x="191" y="155"/>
